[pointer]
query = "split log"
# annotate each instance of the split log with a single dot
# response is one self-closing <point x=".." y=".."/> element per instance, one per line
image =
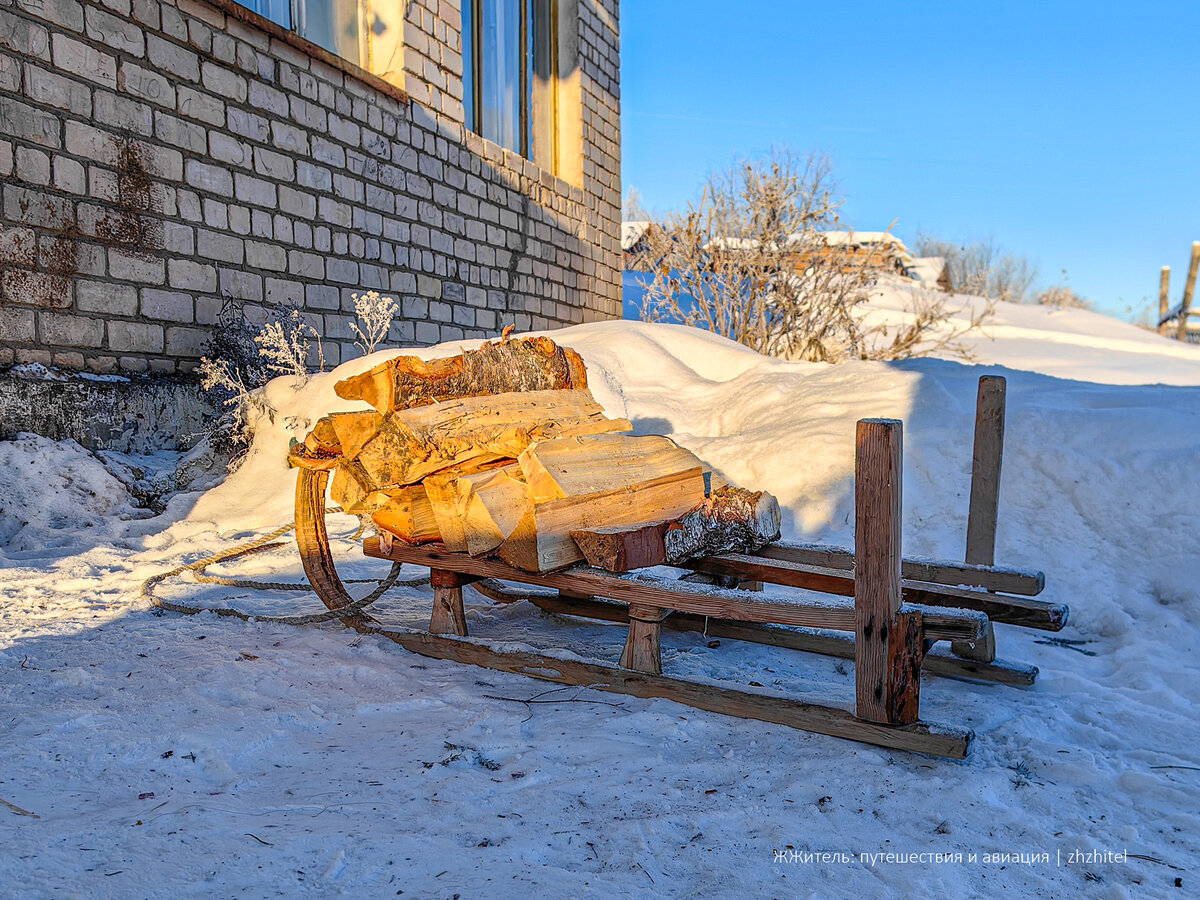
<point x="354" y="430"/>
<point x="412" y="444"/>
<point x="477" y="512"/>
<point x="353" y="490"/>
<point x="623" y="548"/>
<point x="732" y="519"/>
<point x="319" y="450"/>
<point x="408" y="515"/>
<point x="323" y="440"/>
<point x="542" y="540"/>
<point x="524" y="364"/>
<point x="568" y="467"/>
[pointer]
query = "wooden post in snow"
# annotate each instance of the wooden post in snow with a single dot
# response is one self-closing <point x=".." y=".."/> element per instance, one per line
<point x="887" y="643"/>
<point x="1164" y="290"/>
<point x="1189" y="288"/>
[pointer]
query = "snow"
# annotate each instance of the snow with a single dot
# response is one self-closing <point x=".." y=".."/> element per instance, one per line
<point x="195" y="756"/>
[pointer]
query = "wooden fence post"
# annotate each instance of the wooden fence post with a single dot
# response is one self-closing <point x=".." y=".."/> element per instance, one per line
<point x="1189" y="289"/>
<point x="888" y="645"/>
<point x="1164" y="291"/>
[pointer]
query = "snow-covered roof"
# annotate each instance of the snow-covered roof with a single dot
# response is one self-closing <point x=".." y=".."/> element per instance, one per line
<point x="631" y="233"/>
<point x="868" y="239"/>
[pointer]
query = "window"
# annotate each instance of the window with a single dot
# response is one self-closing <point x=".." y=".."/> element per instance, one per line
<point x="508" y="49"/>
<point x="337" y="25"/>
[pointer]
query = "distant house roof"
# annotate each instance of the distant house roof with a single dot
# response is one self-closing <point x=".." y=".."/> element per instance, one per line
<point x="869" y="239"/>
<point x="875" y="245"/>
<point x="632" y="233"/>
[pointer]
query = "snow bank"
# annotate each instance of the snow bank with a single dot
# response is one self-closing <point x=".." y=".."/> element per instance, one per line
<point x="362" y="770"/>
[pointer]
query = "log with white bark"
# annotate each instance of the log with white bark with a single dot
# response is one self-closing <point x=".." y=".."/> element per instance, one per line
<point x="733" y="519"/>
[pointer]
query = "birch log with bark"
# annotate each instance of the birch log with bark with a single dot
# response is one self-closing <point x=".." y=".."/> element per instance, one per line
<point x="733" y="519"/>
<point x="501" y="367"/>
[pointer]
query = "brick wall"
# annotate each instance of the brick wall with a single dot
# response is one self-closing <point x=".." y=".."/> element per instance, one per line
<point x="159" y="156"/>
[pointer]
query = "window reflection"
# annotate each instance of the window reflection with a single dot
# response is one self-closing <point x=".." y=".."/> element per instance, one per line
<point x="336" y="25"/>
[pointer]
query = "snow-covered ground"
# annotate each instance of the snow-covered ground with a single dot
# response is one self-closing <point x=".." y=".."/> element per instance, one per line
<point x="196" y="756"/>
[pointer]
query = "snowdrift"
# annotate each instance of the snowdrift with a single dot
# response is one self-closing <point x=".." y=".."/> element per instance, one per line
<point x="347" y="755"/>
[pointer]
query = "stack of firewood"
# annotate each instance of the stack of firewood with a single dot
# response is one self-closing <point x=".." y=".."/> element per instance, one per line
<point x="503" y="450"/>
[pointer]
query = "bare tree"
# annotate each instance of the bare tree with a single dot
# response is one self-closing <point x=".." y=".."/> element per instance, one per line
<point x="632" y="209"/>
<point x="752" y="261"/>
<point x="982" y="269"/>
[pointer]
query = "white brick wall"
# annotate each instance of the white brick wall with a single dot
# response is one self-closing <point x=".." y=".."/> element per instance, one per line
<point x="159" y="155"/>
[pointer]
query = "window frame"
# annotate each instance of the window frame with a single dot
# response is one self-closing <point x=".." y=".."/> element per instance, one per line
<point x="538" y="134"/>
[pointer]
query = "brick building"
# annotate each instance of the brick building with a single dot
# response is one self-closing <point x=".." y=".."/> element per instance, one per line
<point x="160" y="156"/>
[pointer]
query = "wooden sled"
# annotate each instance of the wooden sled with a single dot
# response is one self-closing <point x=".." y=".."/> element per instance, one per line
<point x="870" y="605"/>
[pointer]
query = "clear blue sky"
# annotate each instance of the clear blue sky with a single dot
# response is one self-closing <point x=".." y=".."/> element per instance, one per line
<point x="1066" y="131"/>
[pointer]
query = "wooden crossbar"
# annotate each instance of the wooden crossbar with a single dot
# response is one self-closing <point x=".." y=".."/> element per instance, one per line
<point x="1026" y="583"/>
<point x="809" y="640"/>
<point x="939" y="624"/>
<point x="1024" y="611"/>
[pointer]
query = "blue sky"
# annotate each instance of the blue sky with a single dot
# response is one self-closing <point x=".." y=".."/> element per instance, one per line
<point x="1066" y="131"/>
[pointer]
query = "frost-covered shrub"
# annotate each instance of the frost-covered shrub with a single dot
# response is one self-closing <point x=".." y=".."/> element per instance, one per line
<point x="240" y="358"/>
<point x="375" y="313"/>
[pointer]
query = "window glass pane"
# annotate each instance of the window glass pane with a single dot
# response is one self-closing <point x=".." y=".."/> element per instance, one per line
<point x="468" y="58"/>
<point x="500" y="39"/>
<point x="335" y="25"/>
<point x="542" y="67"/>
<point x="278" y="11"/>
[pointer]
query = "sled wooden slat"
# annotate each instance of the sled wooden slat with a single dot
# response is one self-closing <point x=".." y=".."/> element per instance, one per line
<point x="940" y="624"/>
<point x="935" y="740"/>
<point x="791" y="638"/>
<point x="1025" y="583"/>
<point x="1024" y="611"/>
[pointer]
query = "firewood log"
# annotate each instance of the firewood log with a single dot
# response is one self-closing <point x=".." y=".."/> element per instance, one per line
<point x="408" y="515"/>
<point x="523" y="364"/>
<point x="353" y="490"/>
<point x="414" y="443"/>
<point x="542" y="540"/>
<point x="353" y="430"/>
<point x="733" y="519"/>
<point x="567" y="467"/>
<point x="477" y="512"/>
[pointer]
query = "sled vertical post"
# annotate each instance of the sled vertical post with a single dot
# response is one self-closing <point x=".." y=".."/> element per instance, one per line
<point x="888" y="645"/>
<point x="986" y="463"/>
<point x="1189" y="290"/>
<point x="985" y="470"/>
<point x="643" y="650"/>
<point x="448" y="616"/>
<point x="1164" y="298"/>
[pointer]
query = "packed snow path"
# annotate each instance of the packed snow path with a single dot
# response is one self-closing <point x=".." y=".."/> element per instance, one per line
<point x="190" y="756"/>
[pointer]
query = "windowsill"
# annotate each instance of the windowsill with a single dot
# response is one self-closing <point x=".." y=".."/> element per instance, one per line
<point x="250" y="17"/>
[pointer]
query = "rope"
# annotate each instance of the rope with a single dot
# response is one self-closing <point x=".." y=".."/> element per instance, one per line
<point x="260" y="545"/>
